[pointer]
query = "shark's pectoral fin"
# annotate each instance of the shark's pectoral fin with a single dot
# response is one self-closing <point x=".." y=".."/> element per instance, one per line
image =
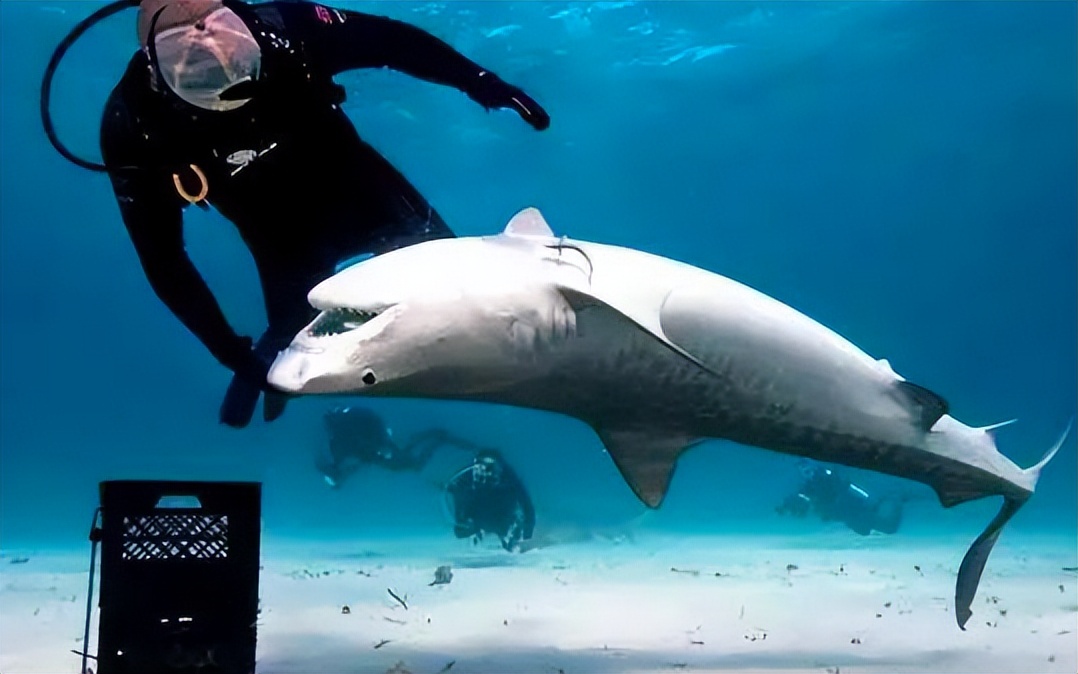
<point x="581" y="301"/>
<point x="926" y="405"/>
<point x="646" y="459"/>
<point x="969" y="573"/>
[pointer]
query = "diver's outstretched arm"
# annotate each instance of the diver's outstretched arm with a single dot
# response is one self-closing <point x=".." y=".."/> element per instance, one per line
<point x="339" y="40"/>
<point x="423" y="444"/>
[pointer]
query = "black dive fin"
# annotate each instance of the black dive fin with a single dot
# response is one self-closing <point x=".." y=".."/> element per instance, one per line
<point x="239" y="404"/>
<point x="969" y="573"/>
<point x="931" y="406"/>
<point x="645" y="459"/>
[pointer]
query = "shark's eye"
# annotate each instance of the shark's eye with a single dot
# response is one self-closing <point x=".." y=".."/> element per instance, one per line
<point x="336" y="321"/>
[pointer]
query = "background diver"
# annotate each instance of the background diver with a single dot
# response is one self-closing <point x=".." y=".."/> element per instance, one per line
<point x="358" y="436"/>
<point x="234" y="105"/>
<point x="833" y="498"/>
<point x="488" y="497"/>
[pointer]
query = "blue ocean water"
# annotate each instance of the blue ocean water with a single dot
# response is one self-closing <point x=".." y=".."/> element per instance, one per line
<point x="904" y="172"/>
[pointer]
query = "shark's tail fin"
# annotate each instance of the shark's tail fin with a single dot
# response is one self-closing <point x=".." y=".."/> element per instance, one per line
<point x="969" y="573"/>
<point x="1034" y="471"/>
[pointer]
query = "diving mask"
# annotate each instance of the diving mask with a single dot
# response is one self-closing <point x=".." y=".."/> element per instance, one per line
<point x="203" y="60"/>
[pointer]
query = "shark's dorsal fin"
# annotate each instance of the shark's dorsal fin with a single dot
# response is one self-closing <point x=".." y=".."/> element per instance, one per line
<point x="528" y="222"/>
<point x="928" y="405"/>
<point x="645" y="459"/>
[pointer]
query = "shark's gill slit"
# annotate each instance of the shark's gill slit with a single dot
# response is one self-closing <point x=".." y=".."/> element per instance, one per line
<point x="337" y="321"/>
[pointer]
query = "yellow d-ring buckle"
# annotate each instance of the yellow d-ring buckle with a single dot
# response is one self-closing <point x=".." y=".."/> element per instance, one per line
<point x="203" y="190"/>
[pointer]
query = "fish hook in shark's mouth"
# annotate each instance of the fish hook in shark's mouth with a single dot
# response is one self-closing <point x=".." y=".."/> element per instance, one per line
<point x="340" y="320"/>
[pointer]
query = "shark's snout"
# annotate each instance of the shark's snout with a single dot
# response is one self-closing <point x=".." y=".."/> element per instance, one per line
<point x="289" y="371"/>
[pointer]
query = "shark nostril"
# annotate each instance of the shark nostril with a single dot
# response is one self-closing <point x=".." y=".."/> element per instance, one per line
<point x="368" y="378"/>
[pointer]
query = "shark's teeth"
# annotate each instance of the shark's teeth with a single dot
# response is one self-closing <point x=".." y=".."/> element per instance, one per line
<point x="340" y="320"/>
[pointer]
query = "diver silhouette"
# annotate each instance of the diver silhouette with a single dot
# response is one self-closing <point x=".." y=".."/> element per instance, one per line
<point x="359" y="436"/>
<point x="832" y="497"/>
<point x="233" y="105"/>
<point x="489" y="498"/>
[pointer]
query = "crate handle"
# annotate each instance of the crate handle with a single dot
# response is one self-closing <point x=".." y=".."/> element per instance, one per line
<point x="178" y="501"/>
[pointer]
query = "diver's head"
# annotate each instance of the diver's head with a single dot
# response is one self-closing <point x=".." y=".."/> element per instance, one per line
<point x="202" y="48"/>
<point x="486" y="468"/>
<point x="811" y="471"/>
<point x="807" y="468"/>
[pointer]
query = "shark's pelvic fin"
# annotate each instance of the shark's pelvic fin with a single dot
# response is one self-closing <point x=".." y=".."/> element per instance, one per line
<point x="528" y="222"/>
<point x="646" y="460"/>
<point x="927" y="406"/>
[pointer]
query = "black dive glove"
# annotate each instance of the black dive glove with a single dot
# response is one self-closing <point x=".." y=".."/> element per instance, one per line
<point x="248" y="363"/>
<point x="491" y="91"/>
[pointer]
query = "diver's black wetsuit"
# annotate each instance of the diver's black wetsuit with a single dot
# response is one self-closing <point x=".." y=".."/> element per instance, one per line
<point x="501" y="506"/>
<point x="834" y="498"/>
<point x="287" y="168"/>
<point x="358" y="435"/>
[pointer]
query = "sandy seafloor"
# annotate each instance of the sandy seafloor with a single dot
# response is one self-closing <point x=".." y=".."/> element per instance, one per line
<point x="643" y="602"/>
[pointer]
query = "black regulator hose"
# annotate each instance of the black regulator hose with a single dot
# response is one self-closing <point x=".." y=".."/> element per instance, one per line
<point x="46" y="83"/>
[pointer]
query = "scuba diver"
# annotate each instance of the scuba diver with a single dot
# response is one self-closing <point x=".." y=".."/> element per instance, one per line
<point x="488" y="497"/>
<point x="834" y="498"/>
<point x="359" y="436"/>
<point x="233" y="105"/>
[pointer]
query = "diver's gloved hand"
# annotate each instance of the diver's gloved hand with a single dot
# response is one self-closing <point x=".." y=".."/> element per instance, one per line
<point x="491" y="91"/>
<point x="248" y="363"/>
<point x="247" y="385"/>
<point x="251" y="365"/>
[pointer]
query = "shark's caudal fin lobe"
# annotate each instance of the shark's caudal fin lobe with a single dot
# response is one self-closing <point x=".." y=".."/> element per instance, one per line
<point x="645" y="459"/>
<point x="969" y="573"/>
<point x="930" y="406"/>
<point x="1034" y="471"/>
<point x="528" y="222"/>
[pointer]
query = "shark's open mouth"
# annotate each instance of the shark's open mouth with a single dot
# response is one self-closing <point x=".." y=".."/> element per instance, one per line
<point x="340" y="320"/>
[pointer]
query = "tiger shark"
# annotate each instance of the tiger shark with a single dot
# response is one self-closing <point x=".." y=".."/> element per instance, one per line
<point x="656" y="355"/>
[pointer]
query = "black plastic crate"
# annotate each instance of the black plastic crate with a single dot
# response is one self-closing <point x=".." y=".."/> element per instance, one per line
<point x="179" y="577"/>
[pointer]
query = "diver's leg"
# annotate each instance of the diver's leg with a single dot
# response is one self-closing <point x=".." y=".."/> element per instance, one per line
<point x="888" y="515"/>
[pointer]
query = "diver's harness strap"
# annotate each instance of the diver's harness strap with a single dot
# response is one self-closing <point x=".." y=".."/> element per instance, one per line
<point x="50" y="70"/>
